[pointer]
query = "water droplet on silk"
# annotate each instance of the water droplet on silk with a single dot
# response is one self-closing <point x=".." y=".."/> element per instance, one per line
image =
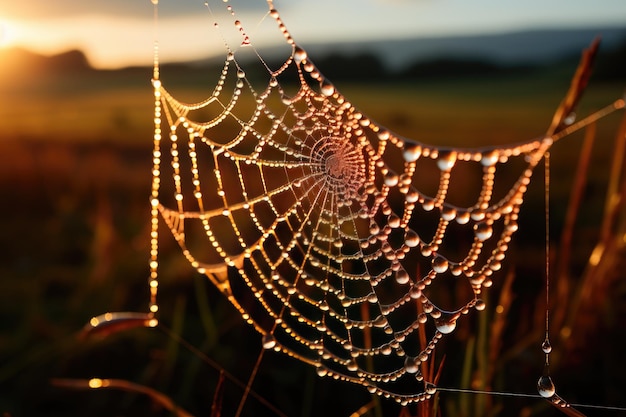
<point x="446" y="323"/>
<point x="545" y="387"/>
<point x="430" y="388"/>
<point x="269" y="341"/>
<point x="411" y="365"/>
<point x="299" y="54"/>
<point x="483" y="231"/>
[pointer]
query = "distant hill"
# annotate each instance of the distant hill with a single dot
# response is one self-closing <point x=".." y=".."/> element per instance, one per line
<point x="513" y="48"/>
<point x="18" y="61"/>
<point x="413" y="57"/>
<point x="502" y="53"/>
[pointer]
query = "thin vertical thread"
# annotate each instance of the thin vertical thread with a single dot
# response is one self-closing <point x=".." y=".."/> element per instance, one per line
<point x="547" y="227"/>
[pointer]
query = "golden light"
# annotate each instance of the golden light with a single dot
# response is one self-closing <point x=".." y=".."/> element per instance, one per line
<point x="7" y="34"/>
<point x="2" y="33"/>
<point x="95" y="383"/>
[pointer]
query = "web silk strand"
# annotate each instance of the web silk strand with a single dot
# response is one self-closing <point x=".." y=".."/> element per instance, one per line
<point x="546" y="346"/>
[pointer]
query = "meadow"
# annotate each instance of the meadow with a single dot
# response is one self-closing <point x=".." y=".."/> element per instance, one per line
<point x="74" y="185"/>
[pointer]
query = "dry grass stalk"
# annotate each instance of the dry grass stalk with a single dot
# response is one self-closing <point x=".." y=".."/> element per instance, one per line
<point x="608" y="252"/>
<point x="577" y="87"/>
<point x="567" y="235"/>
<point x="123" y="385"/>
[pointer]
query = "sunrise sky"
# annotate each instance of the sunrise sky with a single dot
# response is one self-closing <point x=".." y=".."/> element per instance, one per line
<point x="116" y="33"/>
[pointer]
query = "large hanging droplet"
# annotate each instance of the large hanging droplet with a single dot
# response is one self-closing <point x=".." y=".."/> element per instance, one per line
<point x="483" y="231"/>
<point x="391" y="179"/>
<point x="411" y="365"/>
<point x="412" y="152"/>
<point x="322" y="371"/>
<point x="546" y="346"/>
<point x="440" y="264"/>
<point x="299" y="54"/>
<point x="545" y="386"/>
<point x="446" y="323"/>
<point x="490" y="158"/>
<point x="327" y="88"/>
<point x="446" y="161"/>
<point x="411" y="239"/>
<point x="269" y="341"/>
<point x="402" y="277"/>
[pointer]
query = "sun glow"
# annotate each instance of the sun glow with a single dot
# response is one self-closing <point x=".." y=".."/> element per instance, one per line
<point x="6" y="34"/>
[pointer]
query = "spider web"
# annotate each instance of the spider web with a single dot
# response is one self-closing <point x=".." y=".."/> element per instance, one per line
<point x="336" y="239"/>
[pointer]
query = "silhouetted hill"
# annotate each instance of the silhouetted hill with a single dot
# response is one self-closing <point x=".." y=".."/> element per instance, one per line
<point x="364" y="66"/>
<point x="512" y="48"/>
<point x="389" y="59"/>
<point x="454" y="56"/>
<point x="20" y="62"/>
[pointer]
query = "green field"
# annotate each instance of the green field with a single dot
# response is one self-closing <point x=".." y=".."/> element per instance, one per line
<point x="74" y="185"/>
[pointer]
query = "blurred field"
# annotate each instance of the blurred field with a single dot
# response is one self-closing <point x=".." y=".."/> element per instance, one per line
<point x="74" y="184"/>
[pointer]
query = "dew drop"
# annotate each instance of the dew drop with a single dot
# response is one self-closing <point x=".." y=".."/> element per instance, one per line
<point x="456" y="270"/>
<point x="412" y="152"/>
<point x="480" y="305"/>
<point x="269" y="341"/>
<point x="299" y="54"/>
<point x="327" y="89"/>
<point x="411" y="365"/>
<point x="430" y="388"/>
<point x="428" y="205"/>
<point x="412" y="195"/>
<point x="546" y="346"/>
<point x="446" y="324"/>
<point x="391" y="179"/>
<point x="440" y="264"/>
<point x="411" y="239"/>
<point x="383" y="135"/>
<point x="571" y="118"/>
<point x="545" y="386"/>
<point x="483" y="231"/>
<point x="448" y="214"/>
<point x="415" y="292"/>
<point x="322" y="371"/>
<point x="402" y="277"/>
<point x="490" y="158"/>
<point x="393" y="221"/>
<point x="463" y="218"/>
<point x="446" y="161"/>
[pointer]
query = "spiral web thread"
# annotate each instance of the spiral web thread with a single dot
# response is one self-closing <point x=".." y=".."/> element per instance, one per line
<point x="332" y="236"/>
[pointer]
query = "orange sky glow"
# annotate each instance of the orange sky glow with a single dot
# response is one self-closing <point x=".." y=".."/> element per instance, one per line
<point x="117" y="33"/>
